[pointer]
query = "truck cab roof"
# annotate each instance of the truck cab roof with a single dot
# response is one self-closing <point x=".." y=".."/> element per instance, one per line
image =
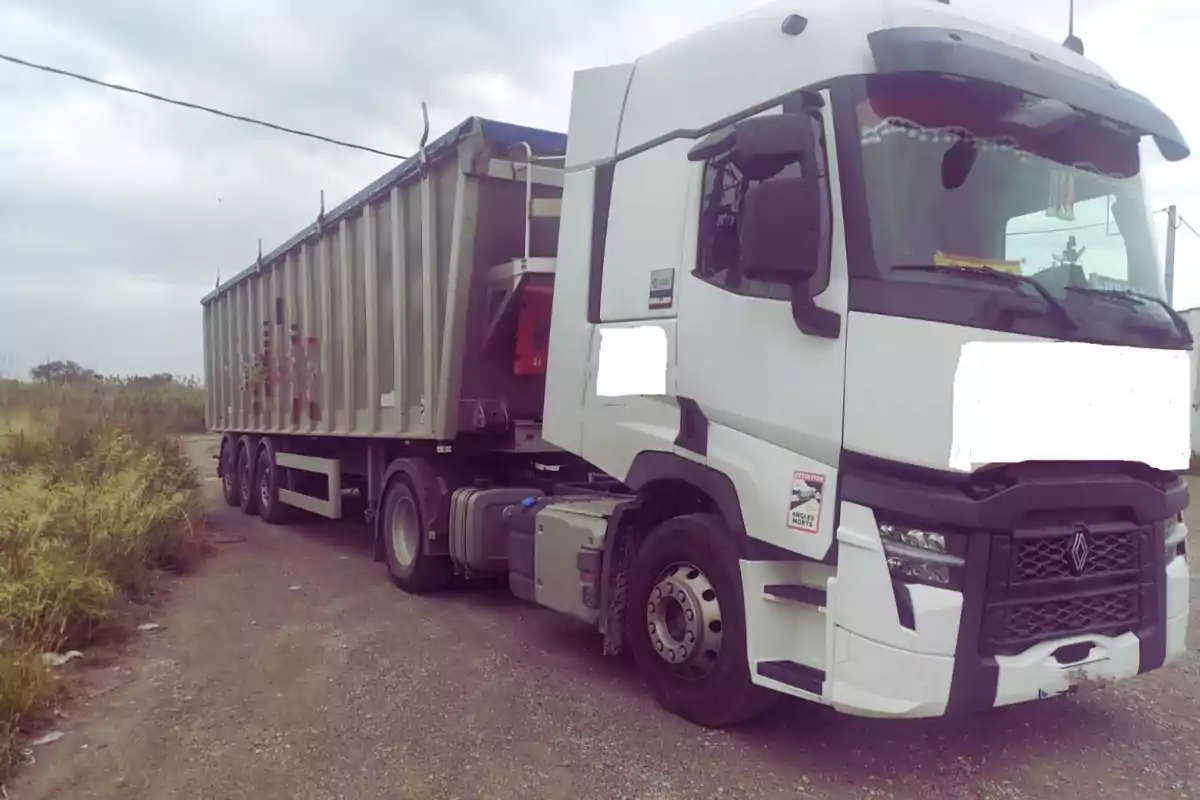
<point x="748" y="60"/>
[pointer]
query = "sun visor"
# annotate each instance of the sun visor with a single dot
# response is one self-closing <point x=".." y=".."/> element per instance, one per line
<point x="972" y="55"/>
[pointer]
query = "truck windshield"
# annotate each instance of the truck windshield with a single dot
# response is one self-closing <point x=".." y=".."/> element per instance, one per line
<point x="963" y="174"/>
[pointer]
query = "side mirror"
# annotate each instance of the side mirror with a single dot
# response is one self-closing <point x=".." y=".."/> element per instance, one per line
<point x="781" y="215"/>
<point x="780" y="226"/>
<point x="781" y="230"/>
<point x="958" y="162"/>
<point x="771" y="137"/>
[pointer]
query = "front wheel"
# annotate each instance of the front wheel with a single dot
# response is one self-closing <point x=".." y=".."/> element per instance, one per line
<point x="405" y="545"/>
<point x="686" y="623"/>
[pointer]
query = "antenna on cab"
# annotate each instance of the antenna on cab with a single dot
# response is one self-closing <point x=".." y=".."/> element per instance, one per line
<point x="1072" y="42"/>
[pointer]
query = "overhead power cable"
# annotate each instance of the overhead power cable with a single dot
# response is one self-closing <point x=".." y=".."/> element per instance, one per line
<point x="296" y="131"/>
<point x="197" y="107"/>
<point x="1184" y="223"/>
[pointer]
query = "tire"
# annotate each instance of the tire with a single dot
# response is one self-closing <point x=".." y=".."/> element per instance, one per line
<point x="405" y="543"/>
<point x="229" y="482"/>
<point x="689" y="565"/>
<point x="247" y="494"/>
<point x="269" y="480"/>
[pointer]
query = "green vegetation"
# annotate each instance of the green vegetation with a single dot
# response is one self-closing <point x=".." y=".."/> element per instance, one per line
<point x="96" y="498"/>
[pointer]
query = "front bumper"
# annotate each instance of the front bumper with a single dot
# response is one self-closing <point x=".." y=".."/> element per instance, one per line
<point x="879" y="661"/>
<point x="871" y="679"/>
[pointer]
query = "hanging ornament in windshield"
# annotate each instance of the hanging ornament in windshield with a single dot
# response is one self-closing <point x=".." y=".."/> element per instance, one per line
<point x="1062" y="196"/>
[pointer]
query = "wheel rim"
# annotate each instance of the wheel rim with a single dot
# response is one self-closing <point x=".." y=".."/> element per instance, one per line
<point x="228" y="479"/>
<point x="246" y="475"/>
<point x="264" y="487"/>
<point x="406" y="535"/>
<point x="683" y="618"/>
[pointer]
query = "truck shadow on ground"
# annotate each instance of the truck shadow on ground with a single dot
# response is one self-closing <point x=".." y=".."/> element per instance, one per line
<point x="797" y="736"/>
<point x="999" y="742"/>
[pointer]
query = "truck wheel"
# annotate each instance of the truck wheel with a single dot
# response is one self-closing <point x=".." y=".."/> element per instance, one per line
<point x="405" y="543"/>
<point x="247" y="488"/>
<point x="229" y="481"/>
<point x="686" y="623"/>
<point x="270" y="479"/>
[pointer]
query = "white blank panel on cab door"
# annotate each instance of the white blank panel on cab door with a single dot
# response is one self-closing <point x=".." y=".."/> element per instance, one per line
<point x="645" y="234"/>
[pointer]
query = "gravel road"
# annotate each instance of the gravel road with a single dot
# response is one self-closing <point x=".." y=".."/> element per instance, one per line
<point x="289" y="667"/>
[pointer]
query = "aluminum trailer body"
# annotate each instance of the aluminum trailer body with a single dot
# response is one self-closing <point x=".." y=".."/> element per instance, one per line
<point x="848" y="390"/>
<point x="375" y="320"/>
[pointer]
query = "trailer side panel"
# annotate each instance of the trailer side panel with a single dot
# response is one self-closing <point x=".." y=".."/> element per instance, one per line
<point x="373" y="321"/>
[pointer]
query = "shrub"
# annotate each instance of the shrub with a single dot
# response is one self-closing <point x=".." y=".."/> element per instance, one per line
<point x="96" y="496"/>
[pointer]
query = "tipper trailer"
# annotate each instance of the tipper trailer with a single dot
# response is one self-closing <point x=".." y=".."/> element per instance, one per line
<point x="826" y="357"/>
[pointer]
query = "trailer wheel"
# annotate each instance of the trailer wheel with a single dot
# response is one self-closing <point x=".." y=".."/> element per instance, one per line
<point x="405" y="543"/>
<point x="229" y="481"/>
<point x="269" y="481"/>
<point x="686" y="624"/>
<point x="247" y="488"/>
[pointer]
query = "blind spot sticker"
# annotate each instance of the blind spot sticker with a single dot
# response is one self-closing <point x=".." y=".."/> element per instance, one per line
<point x="804" y="505"/>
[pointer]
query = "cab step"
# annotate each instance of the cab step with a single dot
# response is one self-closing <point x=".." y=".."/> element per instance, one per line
<point x="796" y="593"/>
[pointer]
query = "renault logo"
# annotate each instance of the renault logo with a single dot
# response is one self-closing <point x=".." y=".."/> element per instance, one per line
<point x="1079" y="550"/>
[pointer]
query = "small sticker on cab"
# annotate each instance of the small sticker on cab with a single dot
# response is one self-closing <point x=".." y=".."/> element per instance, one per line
<point x="804" y="504"/>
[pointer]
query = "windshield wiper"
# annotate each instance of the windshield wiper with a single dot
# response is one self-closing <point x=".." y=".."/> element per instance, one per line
<point x="1137" y="299"/>
<point x="1000" y="276"/>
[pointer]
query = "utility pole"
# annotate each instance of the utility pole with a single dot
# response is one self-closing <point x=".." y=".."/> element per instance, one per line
<point x="1172" y="226"/>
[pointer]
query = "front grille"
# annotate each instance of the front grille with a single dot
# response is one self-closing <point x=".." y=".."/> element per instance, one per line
<point x="1012" y="628"/>
<point x="1049" y="558"/>
<point x="1035" y="592"/>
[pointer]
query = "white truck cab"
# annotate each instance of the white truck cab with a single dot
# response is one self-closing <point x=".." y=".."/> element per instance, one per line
<point x="817" y="221"/>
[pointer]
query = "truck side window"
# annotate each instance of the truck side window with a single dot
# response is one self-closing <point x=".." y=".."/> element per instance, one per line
<point x="724" y="195"/>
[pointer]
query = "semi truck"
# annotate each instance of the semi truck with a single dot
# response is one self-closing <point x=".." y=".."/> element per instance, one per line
<point x="825" y="356"/>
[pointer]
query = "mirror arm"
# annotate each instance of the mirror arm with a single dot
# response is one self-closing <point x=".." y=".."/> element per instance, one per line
<point x="810" y="318"/>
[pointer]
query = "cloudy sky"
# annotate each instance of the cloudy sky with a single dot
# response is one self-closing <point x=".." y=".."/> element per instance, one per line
<point x="116" y="213"/>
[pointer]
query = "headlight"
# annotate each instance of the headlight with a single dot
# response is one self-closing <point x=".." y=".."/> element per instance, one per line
<point x="919" y="556"/>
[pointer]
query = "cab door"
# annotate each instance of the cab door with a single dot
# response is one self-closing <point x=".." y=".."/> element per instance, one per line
<point x="772" y="394"/>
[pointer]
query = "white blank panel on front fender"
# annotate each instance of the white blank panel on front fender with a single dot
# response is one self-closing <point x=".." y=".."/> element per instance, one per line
<point x="629" y="404"/>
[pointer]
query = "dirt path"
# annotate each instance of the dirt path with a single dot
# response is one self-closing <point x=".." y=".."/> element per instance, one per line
<point x="291" y="668"/>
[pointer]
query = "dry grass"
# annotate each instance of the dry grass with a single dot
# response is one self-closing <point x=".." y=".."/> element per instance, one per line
<point x="96" y="498"/>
